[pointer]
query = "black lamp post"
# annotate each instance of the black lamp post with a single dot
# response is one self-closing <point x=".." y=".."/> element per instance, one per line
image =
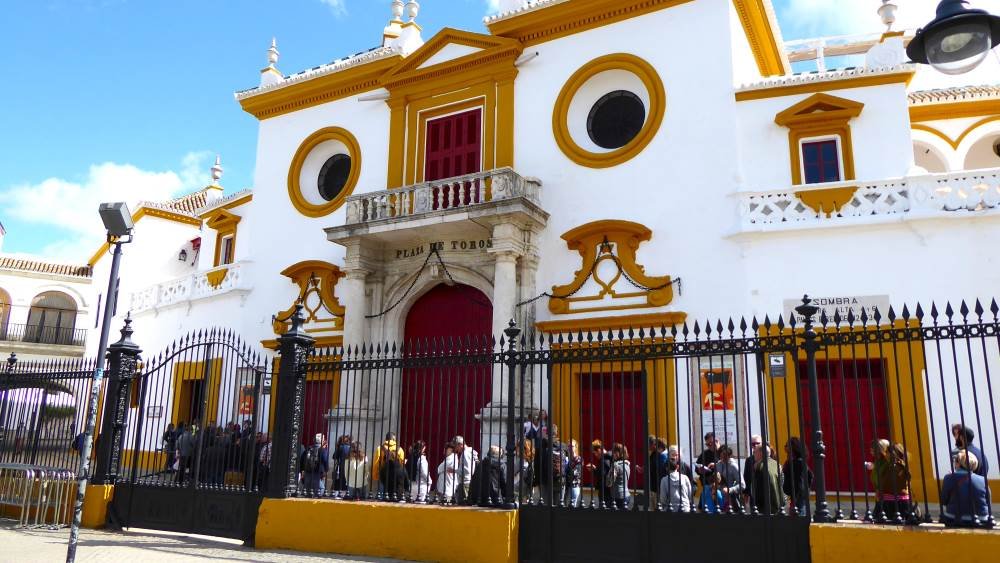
<point x="118" y="222"/>
<point x="957" y="40"/>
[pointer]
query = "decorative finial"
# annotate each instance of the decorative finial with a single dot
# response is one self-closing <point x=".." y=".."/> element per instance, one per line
<point x="887" y="11"/>
<point x="217" y="171"/>
<point x="397" y="11"/>
<point x="412" y="9"/>
<point x="272" y="53"/>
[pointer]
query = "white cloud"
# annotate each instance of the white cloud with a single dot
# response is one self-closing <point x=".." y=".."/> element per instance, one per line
<point x="71" y="206"/>
<point x="811" y="18"/>
<point x="338" y="7"/>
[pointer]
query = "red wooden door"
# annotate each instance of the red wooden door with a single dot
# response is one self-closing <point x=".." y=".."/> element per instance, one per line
<point x="319" y="398"/>
<point x="611" y="410"/>
<point x="853" y="414"/>
<point x="439" y="403"/>
<point x="454" y="148"/>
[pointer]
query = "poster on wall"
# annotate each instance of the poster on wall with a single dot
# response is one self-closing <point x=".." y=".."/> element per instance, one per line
<point x="718" y="404"/>
<point x="246" y="400"/>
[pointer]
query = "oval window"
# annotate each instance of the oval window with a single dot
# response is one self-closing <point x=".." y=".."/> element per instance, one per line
<point x="616" y="119"/>
<point x="333" y="176"/>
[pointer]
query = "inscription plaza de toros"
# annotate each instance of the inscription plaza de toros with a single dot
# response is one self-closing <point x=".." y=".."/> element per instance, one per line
<point x="443" y="245"/>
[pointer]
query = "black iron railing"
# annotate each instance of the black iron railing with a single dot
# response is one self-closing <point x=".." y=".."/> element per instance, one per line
<point x="40" y="334"/>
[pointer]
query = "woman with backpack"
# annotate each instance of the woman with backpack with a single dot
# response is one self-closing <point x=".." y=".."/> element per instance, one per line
<point x="356" y="472"/>
<point x="418" y="472"/>
<point x="621" y="469"/>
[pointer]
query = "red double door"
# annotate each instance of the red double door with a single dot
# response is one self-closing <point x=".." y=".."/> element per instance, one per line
<point x="453" y="147"/>
<point x="441" y="402"/>
<point x="853" y="413"/>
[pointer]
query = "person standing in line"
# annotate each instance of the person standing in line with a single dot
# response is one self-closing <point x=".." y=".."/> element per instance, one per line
<point x="675" y="490"/>
<point x="963" y="493"/>
<point x="263" y="457"/>
<point x="552" y="466"/>
<point x="731" y="481"/>
<point x="797" y="477"/>
<point x="766" y="482"/>
<point x="169" y="441"/>
<point x="574" y="473"/>
<point x="356" y="472"/>
<point x="339" y="463"/>
<point x="186" y="446"/>
<point x="418" y="472"/>
<point x="488" y="487"/>
<point x="621" y="470"/>
<point x="314" y="462"/>
<point x="601" y="470"/>
<point x="388" y="448"/>
<point x="524" y="477"/>
<point x="748" y="464"/>
<point x="704" y="466"/>
<point x="446" y="478"/>
<point x="468" y="458"/>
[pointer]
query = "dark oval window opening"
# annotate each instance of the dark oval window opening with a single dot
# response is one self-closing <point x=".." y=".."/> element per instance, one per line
<point x="333" y="176"/>
<point x="616" y="119"/>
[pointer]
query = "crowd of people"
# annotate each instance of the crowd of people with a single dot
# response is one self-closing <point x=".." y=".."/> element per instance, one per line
<point x="552" y="472"/>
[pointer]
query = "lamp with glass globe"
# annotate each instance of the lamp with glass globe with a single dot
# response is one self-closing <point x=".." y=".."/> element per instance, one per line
<point x="957" y="40"/>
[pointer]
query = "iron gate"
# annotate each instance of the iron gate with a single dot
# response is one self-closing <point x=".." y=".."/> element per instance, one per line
<point x="193" y="439"/>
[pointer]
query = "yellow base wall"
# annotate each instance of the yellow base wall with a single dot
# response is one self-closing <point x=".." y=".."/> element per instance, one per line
<point x="840" y="543"/>
<point x="416" y="533"/>
<point x="95" y="505"/>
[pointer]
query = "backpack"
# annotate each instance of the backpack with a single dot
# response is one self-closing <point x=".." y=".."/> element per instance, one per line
<point x="411" y="468"/>
<point x="310" y="464"/>
<point x="558" y="464"/>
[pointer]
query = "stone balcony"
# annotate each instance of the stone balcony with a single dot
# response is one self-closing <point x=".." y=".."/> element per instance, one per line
<point x="231" y="279"/>
<point x="442" y="207"/>
<point x="954" y="195"/>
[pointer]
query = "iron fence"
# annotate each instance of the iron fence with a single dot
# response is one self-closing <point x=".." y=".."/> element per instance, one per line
<point x="863" y="416"/>
<point x="42" y="411"/>
<point x="41" y="334"/>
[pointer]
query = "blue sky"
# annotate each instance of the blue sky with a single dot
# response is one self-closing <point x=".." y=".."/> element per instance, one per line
<point x="132" y="99"/>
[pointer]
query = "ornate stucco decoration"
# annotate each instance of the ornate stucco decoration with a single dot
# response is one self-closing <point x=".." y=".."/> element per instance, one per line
<point x="317" y="282"/>
<point x="609" y="277"/>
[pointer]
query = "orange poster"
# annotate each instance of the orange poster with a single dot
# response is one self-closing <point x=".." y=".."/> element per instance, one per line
<point x="246" y="399"/>
<point x="717" y="389"/>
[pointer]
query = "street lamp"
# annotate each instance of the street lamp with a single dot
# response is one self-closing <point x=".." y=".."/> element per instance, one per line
<point x="118" y="223"/>
<point x="957" y="40"/>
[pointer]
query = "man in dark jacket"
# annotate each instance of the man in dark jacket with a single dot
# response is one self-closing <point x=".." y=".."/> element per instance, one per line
<point x="315" y="462"/>
<point x="489" y="482"/>
<point x="552" y="466"/>
<point x="601" y="469"/>
<point x="766" y="484"/>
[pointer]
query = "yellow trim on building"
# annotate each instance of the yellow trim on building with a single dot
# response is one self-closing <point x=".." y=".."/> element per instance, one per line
<point x="907" y="410"/>
<point x="480" y="79"/>
<point x="570" y="18"/>
<point x="655" y="112"/>
<point x="837" y="543"/>
<point x="215" y="277"/>
<point x="955" y="143"/>
<point x="954" y="110"/>
<point x="195" y="371"/>
<point x="224" y="224"/>
<point x="298" y="200"/>
<point x="229" y="205"/>
<point x="321" y="278"/>
<point x="320" y="90"/>
<point x="650" y="320"/>
<point x="369" y="529"/>
<point x="761" y="34"/>
<point x="779" y="91"/>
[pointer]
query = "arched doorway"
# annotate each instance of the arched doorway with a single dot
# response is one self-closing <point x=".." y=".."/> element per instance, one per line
<point x="438" y="403"/>
<point x="4" y="313"/>
<point x="51" y="319"/>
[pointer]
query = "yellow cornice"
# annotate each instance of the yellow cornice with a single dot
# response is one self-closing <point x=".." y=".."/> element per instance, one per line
<point x="648" y="320"/>
<point x="954" y="110"/>
<point x="150" y="212"/>
<point x="320" y="90"/>
<point x="956" y="142"/>
<point x="242" y="200"/>
<point x="771" y="58"/>
<point x="779" y="91"/>
<point x="321" y="342"/>
<point x="568" y="18"/>
<point x="448" y="36"/>
<point x="222" y="220"/>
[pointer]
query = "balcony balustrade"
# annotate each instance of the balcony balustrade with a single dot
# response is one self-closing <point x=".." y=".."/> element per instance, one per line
<point x="231" y="278"/>
<point x="40" y="334"/>
<point x="929" y="196"/>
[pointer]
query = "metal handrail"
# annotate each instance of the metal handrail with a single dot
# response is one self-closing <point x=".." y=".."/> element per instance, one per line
<point x="41" y="334"/>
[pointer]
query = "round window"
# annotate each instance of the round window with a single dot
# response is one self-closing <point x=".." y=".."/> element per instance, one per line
<point x="333" y="176"/>
<point x="616" y="119"/>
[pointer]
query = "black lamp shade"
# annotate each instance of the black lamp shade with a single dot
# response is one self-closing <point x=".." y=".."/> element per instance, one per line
<point x="117" y="219"/>
<point x="958" y="39"/>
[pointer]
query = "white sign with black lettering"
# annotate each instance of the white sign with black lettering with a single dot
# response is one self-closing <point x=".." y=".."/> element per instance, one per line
<point x="831" y="305"/>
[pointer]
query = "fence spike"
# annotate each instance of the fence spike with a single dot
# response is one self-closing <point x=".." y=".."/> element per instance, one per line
<point x="642" y="333"/>
<point x="994" y="308"/>
<point x="892" y="314"/>
<point x="767" y="323"/>
<point x="836" y="318"/>
<point x="919" y="312"/>
<point x="979" y="310"/>
<point x="781" y="322"/>
<point x="948" y="311"/>
<point x="934" y="311"/>
<point x="877" y="315"/>
<point x="964" y="309"/>
<point x="850" y="317"/>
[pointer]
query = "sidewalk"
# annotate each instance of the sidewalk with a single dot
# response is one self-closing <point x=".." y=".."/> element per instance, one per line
<point x="30" y="546"/>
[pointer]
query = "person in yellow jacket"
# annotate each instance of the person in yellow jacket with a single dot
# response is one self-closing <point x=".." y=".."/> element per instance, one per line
<point x="382" y="454"/>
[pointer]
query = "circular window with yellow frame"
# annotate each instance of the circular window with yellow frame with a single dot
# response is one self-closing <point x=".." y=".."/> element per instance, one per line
<point x="609" y="110"/>
<point x="324" y="171"/>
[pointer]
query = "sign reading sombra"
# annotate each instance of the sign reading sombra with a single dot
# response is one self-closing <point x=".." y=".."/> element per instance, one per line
<point x="843" y="305"/>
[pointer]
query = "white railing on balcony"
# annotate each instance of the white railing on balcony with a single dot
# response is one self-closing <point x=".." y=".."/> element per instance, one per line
<point x="916" y="197"/>
<point x="231" y="278"/>
<point x="442" y="195"/>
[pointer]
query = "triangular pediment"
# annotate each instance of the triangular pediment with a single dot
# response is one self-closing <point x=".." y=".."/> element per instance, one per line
<point x="452" y="46"/>
<point x="221" y="219"/>
<point x="820" y="107"/>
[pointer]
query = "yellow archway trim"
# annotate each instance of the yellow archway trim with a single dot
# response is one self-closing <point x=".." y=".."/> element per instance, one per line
<point x="313" y="276"/>
<point x="957" y="142"/>
<point x="616" y="241"/>
<point x="656" y="111"/>
<point x="295" y="170"/>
